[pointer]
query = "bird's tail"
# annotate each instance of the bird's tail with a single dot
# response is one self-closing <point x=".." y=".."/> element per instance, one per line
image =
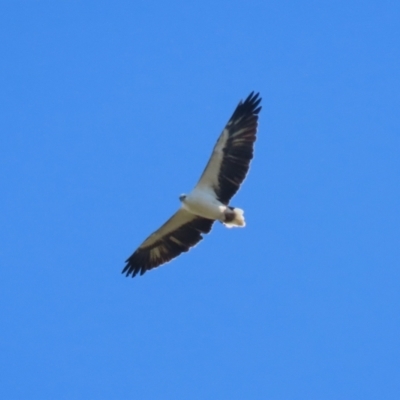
<point x="234" y="218"/>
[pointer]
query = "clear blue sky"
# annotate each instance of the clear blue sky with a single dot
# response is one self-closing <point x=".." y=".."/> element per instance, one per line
<point x="110" y="110"/>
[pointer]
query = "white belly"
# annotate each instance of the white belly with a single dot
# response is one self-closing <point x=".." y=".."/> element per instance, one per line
<point x="204" y="205"/>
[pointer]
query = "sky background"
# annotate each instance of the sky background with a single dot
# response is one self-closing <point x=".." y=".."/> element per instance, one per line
<point x="110" y="110"/>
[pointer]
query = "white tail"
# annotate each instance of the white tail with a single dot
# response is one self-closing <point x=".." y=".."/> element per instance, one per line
<point x="234" y="218"/>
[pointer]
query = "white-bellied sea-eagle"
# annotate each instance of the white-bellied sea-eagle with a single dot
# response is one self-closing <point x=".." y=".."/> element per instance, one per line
<point x="209" y="200"/>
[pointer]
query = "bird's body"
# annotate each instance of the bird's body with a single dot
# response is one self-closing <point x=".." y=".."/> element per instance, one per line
<point x="204" y="204"/>
<point x="209" y="200"/>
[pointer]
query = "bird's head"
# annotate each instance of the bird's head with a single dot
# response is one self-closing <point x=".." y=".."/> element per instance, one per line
<point x="182" y="197"/>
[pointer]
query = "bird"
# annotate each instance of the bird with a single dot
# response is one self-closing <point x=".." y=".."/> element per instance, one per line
<point x="209" y="200"/>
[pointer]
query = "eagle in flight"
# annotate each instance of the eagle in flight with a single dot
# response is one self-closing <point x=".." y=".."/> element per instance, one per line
<point x="209" y="200"/>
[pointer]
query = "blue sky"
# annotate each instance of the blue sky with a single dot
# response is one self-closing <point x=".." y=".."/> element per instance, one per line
<point x="110" y="111"/>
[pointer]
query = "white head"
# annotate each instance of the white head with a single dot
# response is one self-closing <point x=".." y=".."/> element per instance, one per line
<point x="182" y="197"/>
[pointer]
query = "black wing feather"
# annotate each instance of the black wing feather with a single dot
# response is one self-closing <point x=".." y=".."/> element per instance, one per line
<point x="167" y="247"/>
<point x="238" y="150"/>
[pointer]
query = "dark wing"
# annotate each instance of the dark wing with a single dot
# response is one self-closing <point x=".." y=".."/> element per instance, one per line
<point x="230" y="160"/>
<point x="181" y="232"/>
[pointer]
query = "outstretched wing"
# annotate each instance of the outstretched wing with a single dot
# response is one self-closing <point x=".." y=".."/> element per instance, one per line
<point x="230" y="160"/>
<point x="181" y="232"/>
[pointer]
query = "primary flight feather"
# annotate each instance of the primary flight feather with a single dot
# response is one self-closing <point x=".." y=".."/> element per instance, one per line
<point x="209" y="200"/>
